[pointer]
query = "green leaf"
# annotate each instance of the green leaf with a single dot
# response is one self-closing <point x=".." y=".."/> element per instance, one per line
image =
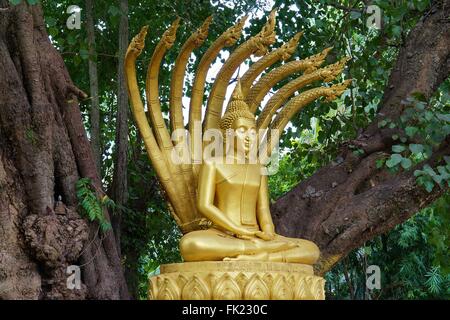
<point x="15" y="2"/>
<point x="428" y="150"/>
<point x="71" y="39"/>
<point x="394" y="160"/>
<point x="443" y="172"/>
<point x="446" y="129"/>
<point x="397" y="31"/>
<point x="419" y="173"/>
<point x="429" y="170"/>
<point x="420" y="105"/>
<point x="84" y="54"/>
<point x="52" y="31"/>
<point x="443" y="117"/>
<point x="421" y="5"/>
<point x="105" y="226"/>
<point x="32" y="2"/>
<point x="429" y="115"/>
<point x="419" y="96"/>
<point x="398" y="148"/>
<point x="358" y="152"/>
<point x="380" y="163"/>
<point x="382" y="123"/>
<point x="416" y="148"/>
<point x="50" y="21"/>
<point x="411" y="131"/>
<point x="355" y="15"/>
<point x="406" y="163"/>
<point x="429" y="185"/>
<point x="91" y="206"/>
<point x="113" y="11"/>
<point x="380" y="70"/>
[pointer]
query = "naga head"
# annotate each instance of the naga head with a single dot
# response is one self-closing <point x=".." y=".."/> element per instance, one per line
<point x="202" y="32"/>
<point x="316" y="60"/>
<point x="288" y="48"/>
<point x="330" y="72"/>
<point x="233" y="33"/>
<point x="266" y="36"/>
<point x="138" y="42"/>
<point x="337" y="90"/>
<point x="169" y="36"/>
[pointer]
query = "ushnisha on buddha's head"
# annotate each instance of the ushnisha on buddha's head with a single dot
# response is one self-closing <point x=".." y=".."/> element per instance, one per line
<point x="239" y="127"/>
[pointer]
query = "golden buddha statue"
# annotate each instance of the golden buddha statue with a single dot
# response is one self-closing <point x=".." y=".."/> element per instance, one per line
<point x="234" y="196"/>
<point x="221" y="204"/>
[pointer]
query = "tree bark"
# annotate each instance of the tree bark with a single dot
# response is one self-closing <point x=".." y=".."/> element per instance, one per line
<point x="93" y="84"/>
<point x="44" y="150"/>
<point x="119" y="185"/>
<point x="350" y="201"/>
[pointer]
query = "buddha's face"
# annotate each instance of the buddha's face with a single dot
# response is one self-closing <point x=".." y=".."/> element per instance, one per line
<point x="245" y="134"/>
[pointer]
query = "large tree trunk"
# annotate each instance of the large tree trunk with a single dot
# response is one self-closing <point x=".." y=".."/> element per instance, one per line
<point x="350" y="201"/>
<point x="44" y="150"/>
<point x="120" y="178"/>
<point x="93" y="85"/>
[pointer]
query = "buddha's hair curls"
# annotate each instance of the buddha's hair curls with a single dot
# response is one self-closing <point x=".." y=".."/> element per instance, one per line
<point x="237" y="108"/>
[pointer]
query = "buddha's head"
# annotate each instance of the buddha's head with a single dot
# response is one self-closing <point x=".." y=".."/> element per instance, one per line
<point x="239" y="122"/>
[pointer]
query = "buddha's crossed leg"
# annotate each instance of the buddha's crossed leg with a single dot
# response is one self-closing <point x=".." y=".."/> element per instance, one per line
<point x="215" y="245"/>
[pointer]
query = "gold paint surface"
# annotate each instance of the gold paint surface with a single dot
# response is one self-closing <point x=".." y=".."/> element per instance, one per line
<point x="237" y="280"/>
<point x="236" y="266"/>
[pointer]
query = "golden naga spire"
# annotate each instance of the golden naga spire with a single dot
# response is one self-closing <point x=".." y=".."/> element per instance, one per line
<point x="256" y="45"/>
<point x="180" y="180"/>
<point x="282" y="53"/>
<point x="228" y="38"/>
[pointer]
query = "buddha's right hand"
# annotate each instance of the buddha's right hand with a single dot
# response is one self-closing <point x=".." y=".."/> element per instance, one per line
<point x="268" y="236"/>
<point x="245" y="234"/>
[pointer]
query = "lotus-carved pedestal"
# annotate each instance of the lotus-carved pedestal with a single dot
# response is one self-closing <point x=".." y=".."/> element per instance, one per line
<point x="236" y="280"/>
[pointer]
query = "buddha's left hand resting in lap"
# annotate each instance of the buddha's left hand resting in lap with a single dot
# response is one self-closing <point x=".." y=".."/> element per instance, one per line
<point x="234" y="196"/>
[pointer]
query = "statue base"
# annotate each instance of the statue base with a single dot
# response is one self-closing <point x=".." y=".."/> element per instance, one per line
<point x="236" y="280"/>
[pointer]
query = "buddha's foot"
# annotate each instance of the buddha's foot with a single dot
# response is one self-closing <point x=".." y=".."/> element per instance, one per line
<point x="249" y="257"/>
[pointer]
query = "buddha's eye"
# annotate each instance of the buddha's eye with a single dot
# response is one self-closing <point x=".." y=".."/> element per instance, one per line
<point x="252" y="132"/>
<point x="241" y="130"/>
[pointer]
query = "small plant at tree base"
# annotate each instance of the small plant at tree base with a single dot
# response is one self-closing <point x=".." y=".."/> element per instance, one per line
<point x="91" y="206"/>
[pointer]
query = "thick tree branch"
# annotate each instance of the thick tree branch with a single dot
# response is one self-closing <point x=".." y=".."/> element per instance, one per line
<point x="349" y="201"/>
